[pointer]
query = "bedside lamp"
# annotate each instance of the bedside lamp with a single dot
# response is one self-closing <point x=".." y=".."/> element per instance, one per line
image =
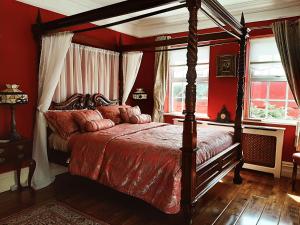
<point x="139" y="94"/>
<point x="12" y="96"/>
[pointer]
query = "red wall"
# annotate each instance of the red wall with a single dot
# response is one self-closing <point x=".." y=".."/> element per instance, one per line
<point x="18" y="57"/>
<point x="222" y="91"/>
<point x="17" y="62"/>
<point x="145" y="79"/>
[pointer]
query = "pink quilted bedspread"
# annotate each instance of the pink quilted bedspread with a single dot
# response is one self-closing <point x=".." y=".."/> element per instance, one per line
<point x="142" y="160"/>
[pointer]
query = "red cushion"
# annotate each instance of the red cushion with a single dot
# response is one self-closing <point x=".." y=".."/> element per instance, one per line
<point x="296" y="157"/>
<point x="112" y="112"/>
<point x="62" y="122"/>
<point x="95" y="125"/>
<point x="126" y="113"/>
<point x="81" y="117"/>
<point x="139" y="119"/>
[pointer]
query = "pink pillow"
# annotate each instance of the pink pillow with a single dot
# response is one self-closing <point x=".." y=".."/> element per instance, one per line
<point x="81" y="117"/>
<point x="112" y="112"/>
<point x="129" y="112"/>
<point x="139" y="119"/>
<point x="62" y="122"/>
<point x="95" y="125"/>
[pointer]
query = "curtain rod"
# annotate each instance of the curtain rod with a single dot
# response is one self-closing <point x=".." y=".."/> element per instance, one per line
<point x="268" y="26"/>
<point x="261" y="27"/>
<point x="131" y="19"/>
<point x="200" y="45"/>
<point x="219" y="24"/>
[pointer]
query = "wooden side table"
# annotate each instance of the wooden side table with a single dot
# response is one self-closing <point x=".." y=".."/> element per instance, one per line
<point x="15" y="155"/>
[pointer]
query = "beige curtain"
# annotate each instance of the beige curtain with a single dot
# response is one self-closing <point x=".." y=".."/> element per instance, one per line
<point x="161" y="72"/>
<point x="53" y="52"/>
<point x="88" y="70"/>
<point x="287" y="35"/>
<point x="297" y="136"/>
<point x="131" y="66"/>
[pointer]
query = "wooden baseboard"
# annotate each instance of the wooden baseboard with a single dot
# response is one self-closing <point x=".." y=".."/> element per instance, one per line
<point x="287" y="169"/>
<point x="8" y="182"/>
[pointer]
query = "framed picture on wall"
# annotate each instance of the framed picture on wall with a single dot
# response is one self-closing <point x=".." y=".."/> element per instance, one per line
<point x="226" y="66"/>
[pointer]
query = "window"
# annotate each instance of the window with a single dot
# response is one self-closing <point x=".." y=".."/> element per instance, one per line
<point x="178" y="70"/>
<point x="270" y="95"/>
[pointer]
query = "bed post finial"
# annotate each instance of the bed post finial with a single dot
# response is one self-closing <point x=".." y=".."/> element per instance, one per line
<point x="240" y="101"/>
<point x="36" y="28"/>
<point x="243" y="20"/>
<point x="38" y="17"/>
<point x="189" y="140"/>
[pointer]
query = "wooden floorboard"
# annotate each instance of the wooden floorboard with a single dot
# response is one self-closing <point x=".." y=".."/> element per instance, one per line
<point x="260" y="200"/>
<point x="234" y="210"/>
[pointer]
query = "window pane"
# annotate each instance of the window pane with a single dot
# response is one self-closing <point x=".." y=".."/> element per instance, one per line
<point x="292" y="111"/>
<point x="264" y="49"/>
<point x="258" y="109"/>
<point x="202" y="70"/>
<point x="177" y="105"/>
<point x="178" y="96"/>
<point x="203" y="54"/>
<point x="202" y="98"/>
<point x="278" y="90"/>
<point x="201" y="106"/>
<point x="178" y="89"/>
<point x="178" y="72"/>
<point x="258" y="90"/>
<point x="178" y="57"/>
<point x="290" y="94"/>
<point x="202" y="90"/>
<point x="276" y="110"/>
<point x="267" y="70"/>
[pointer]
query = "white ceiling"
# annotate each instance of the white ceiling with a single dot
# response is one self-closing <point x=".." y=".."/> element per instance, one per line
<point x="174" y="21"/>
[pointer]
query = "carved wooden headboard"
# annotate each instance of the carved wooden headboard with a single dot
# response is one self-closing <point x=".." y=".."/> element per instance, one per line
<point x="83" y="101"/>
<point x="76" y="101"/>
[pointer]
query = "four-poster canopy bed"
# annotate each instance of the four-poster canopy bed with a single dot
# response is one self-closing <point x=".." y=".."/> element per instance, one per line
<point x="196" y="179"/>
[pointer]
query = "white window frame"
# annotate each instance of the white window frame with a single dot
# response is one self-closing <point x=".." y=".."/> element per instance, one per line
<point x="268" y="80"/>
<point x="183" y="79"/>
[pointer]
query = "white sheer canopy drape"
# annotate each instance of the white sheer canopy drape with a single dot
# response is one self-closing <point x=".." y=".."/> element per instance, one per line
<point x="88" y="70"/>
<point x="53" y="52"/>
<point x="131" y="66"/>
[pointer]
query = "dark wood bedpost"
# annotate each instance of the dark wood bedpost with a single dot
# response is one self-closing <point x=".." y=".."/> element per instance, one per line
<point x="189" y="143"/>
<point x="240" y="102"/>
<point x="120" y="70"/>
<point x="38" y="38"/>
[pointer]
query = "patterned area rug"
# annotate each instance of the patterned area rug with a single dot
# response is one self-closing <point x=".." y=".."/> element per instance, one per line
<point x="50" y="213"/>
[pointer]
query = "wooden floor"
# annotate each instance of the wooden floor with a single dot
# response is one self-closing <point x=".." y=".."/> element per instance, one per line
<point x="261" y="200"/>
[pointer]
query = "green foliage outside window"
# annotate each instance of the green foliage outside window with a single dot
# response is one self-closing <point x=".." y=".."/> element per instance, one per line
<point x="201" y="91"/>
<point x="273" y="112"/>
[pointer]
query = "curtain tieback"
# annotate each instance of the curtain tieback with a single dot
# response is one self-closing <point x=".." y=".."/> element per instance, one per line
<point x="39" y="110"/>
